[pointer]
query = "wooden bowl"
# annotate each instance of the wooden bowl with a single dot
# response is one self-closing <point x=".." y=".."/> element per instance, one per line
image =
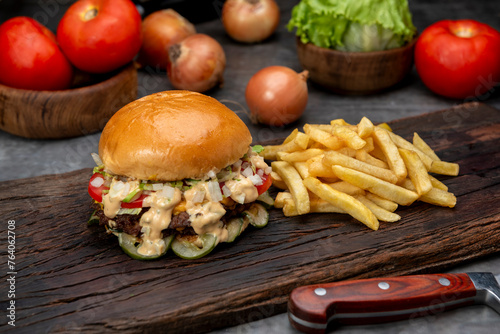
<point x="66" y="113"/>
<point x="355" y="72"/>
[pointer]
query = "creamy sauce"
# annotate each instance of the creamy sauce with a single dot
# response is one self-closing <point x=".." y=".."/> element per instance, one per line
<point x="205" y="214"/>
<point x="258" y="161"/>
<point x="155" y="220"/>
<point x="118" y="191"/>
<point x="242" y="191"/>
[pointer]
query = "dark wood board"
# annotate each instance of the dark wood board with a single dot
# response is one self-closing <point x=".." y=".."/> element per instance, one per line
<point x="71" y="277"/>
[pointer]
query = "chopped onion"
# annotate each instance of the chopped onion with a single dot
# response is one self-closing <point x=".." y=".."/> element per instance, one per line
<point x="247" y="172"/>
<point x="226" y="191"/>
<point x="97" y="182"/>
<point x="214" y="191"/>
<point x="168" y="192"/>
<point x="256" y="179"/>
<point x="97" y="159"/>
<point x="198" y="196"/>
<point x="157" y="186"/>
<point x="211" y="174"/>
<point x="260" y="172"/>
<point x="237" y="164"/>
<point x="119" y="185"/>
<point x="268" y="170"/>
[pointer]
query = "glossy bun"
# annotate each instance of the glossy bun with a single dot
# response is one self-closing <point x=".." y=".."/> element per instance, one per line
<point x="172" y="135"/>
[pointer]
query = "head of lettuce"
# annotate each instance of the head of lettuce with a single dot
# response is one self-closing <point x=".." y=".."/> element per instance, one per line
<point x="353" y="25"/>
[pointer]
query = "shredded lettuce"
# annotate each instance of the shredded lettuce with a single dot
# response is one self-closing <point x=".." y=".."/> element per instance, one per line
<point x="353" y="25"/>
<point x="257" y="148"/>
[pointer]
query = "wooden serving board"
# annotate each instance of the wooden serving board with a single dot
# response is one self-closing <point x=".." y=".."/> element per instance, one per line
<point x="71" y="277"/>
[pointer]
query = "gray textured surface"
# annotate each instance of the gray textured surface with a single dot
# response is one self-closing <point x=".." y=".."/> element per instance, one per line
<point x="20" y="158"/>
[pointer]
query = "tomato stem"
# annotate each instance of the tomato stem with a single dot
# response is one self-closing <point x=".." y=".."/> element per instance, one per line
<point x="90" y="14"/>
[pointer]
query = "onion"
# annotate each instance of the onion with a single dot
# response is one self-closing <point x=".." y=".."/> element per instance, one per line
<point x="256" y="180"/>
<point x="198" y="196"/>
<point x="97" y="182"/>
<point x="167" y="192"/>
<point x="161" y="30"/>
<point x="226" y="191"/>
<point x="157" y="186"/>
<point x="214" y="191"/>
<point x="197" y="63"/>
<point x="96" y="158"/>
<point x="277" y="95"/>
<point x="250" y="21"/>
<point x="247" y="172"/>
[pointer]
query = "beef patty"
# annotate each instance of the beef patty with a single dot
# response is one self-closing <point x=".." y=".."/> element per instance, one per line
<point x="180" y="223"/>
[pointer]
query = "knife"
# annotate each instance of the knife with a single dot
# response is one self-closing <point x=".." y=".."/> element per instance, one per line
<point x="369" y="301"/>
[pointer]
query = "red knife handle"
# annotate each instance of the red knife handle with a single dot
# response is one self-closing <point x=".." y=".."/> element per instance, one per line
<point x="377" y="300"/>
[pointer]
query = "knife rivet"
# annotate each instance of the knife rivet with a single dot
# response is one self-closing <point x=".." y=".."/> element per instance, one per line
<point x="384" y="285"/>
<point x="320" y="291"/>
<point x="444" y="281"/>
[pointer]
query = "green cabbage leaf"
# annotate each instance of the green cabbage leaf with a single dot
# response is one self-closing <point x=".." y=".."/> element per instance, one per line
<point x="353" y="25"/>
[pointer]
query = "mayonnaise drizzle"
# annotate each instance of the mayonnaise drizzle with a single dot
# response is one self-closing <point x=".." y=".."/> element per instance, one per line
<point x="155" y="220"/>
<point x="118" y="191"/>
<point x="205" y="214"/>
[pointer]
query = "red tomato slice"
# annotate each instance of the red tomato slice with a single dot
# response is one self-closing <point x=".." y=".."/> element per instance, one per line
<point x="96" y="194"/>
<point x="267" y="181"/>
<point x="134" y="204"/>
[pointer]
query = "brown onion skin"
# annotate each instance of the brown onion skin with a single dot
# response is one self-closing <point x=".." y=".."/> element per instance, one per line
<point x="161" y="30"/>
<point x="277" y="95"/>
<point x="250" y="21"/>
<point x="197" y="63"/>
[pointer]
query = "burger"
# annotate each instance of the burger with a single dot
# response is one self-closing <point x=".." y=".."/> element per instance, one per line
<point x="175" y="170"/>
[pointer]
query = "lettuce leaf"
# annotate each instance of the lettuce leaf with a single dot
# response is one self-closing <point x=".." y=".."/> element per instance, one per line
<point x="353" y="25"/>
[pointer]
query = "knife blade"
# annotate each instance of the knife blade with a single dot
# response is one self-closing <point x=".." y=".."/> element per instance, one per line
<point x="368" y="301"/>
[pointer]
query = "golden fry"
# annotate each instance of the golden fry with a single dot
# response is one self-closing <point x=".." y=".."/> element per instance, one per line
<point x="318" y="205"/>
<point x="416" y="171"/>
<point x="374" y="185"/>
<point x="382" y="202"/>
<point x="364" y="156"/>
<point x="347" y="188"/>
<point x="379" y="212"/>
<point x="435" y="196"/>
<point x="438" y="184"/>
<point x="444" y="168"/>
<point x="419" y="143"/>
<point x="350" y="137"/>
<point x="300" y="155"/>
<point x="334" y="158"/>
<point x="365" y="128"/>
<point x="383" y="140"/>
<point x="302" y="168"/>
<point x="294" y="183"/>
<point x="403" y="143"/>
<point x="279" y="201"/>
<point x="323" y="137"/>
<point x="343" y="201"/>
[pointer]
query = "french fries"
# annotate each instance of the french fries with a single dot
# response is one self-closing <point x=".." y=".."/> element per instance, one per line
<point x="363" y="170"/>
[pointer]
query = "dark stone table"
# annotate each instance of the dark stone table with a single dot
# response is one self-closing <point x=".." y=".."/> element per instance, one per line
<point x="21" y="158"/>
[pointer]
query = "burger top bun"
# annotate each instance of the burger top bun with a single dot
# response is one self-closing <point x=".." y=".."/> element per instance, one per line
<point x="172" y="135"/>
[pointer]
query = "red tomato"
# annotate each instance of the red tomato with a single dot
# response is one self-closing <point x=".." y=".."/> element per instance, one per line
<point x="459" y="59"/>
<point x="96" y="193"/>
<point x="99" y="36"/>
<point x="30" y="57"/>
<point x="267" y="181"/>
